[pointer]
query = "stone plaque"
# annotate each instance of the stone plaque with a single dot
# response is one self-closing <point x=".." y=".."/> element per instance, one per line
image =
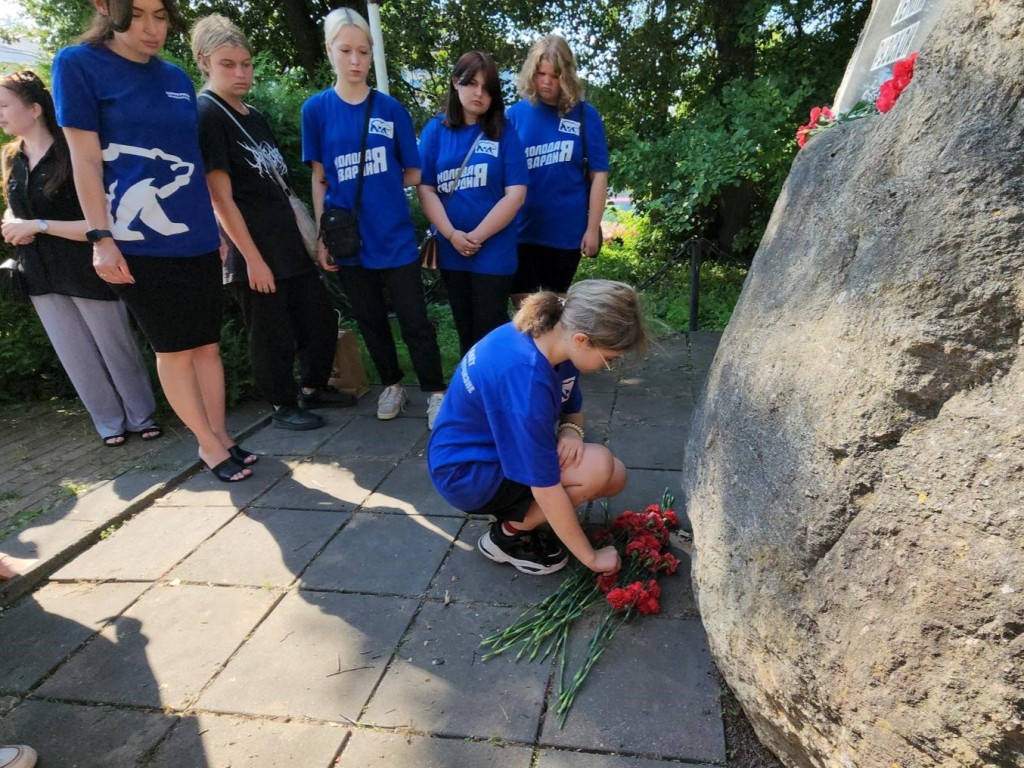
<point x="895" y="29"/>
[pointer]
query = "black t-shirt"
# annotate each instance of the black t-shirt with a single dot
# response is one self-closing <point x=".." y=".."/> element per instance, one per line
<point x="52" y="264"/>
<point x="248" y="160"/>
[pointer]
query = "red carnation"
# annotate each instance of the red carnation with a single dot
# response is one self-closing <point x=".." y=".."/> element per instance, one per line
<point x="890" y="90"/>
<point x="619" y="599"/>
<point x="671" y="518"/>
<point x="607" y="581"/>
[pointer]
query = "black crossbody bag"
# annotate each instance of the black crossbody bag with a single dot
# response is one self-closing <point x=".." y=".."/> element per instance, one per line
<point x="339" y="227"/>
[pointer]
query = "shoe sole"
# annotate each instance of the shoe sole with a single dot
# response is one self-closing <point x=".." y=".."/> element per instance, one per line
<point x="296" y="427"/>
<point x="491" y="552"/>
<point x="389" y="416"/>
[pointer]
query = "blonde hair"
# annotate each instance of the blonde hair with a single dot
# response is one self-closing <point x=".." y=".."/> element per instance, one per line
<point x="610" y="313"/>
<point x="554" y="50"/>
<point x="212" y="32"/>
<point x="340" y="18"/>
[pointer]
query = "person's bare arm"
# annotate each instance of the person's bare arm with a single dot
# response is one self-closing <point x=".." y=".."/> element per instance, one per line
<point x="260" y="277"/>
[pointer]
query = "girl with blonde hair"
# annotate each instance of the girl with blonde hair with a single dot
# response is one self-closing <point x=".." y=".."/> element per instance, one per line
<point x="567" y="155"/>
<point x="509" y="441"/>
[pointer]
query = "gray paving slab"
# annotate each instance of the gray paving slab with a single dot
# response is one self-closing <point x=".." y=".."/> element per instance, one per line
<point x="328" y="484"/>
<point x="645" y="382"/>
<point x="468" y="576"/>
<point x="367" y="749"/>
<point x="164" y="649"/>
<point x="317" y="655"/>
<point x="261" y="548"/>
<point x="203" y="489"/>
<point x="650" y="446"/>
<point x="644" y="487"/>
<point x="274" y="441"/>
<point x="223" y="740"/>
<point x="633" y="412"/>
<point x="378" y="553"/>
<point x="439" y="684"/>
<point x="76" y="736"/>
<point x="148" y="545"/>
<point x="408" y="489"/>
<point x="653" y="692"/>
<point x="41" y="630"/>
<point x="369" y="436"/>
<point x="550" y="758"/>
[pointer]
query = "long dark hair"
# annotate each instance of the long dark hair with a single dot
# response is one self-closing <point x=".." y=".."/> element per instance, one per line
<point x="492" y="122"/>
<point x="119" y="17"/>
<point x="29" y="89"/>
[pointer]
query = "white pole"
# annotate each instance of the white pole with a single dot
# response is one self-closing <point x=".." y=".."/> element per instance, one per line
<point x="380" y="66"/>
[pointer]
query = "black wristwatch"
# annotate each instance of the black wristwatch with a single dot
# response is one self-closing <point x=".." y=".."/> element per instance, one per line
<point x="95" y="235"/>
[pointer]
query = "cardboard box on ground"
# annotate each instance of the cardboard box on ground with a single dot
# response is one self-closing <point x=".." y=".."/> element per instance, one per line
<point x="348" y="373"/>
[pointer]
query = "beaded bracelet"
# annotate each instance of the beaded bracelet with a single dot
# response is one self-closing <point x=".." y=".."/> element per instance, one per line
<point x="574" y="427"/>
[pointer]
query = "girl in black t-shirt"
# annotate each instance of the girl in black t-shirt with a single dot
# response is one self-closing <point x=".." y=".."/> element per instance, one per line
<point x="285" y="306"/>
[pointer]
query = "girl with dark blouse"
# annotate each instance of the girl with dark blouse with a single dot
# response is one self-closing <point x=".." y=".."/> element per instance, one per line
<point x="87" y="325"/>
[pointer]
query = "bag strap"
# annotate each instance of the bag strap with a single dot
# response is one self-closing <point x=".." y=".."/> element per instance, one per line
<point x="465" y="161"/>
<point x="362" y="150"/>
<point x="273" y="167"/>
<point x="458" y="175"/>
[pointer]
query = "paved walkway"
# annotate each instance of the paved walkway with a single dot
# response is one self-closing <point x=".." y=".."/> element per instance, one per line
<point x="329" y="611"/>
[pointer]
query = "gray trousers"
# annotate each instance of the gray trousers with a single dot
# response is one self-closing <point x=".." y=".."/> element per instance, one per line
<point x="101" y="357"/>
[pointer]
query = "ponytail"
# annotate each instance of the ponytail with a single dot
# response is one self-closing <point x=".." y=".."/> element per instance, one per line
<point x="539" y="313"/>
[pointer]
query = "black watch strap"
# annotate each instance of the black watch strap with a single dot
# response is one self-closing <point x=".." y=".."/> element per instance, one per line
<point x="95" y="235"/>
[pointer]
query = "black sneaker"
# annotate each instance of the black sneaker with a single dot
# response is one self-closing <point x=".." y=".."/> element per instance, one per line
<point x="298" y="419"/>
<point x="326" y="397"/>
<point x="529" y="552"/>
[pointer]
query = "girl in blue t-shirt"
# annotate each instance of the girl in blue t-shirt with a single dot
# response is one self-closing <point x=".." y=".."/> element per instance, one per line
<point x="509" y="439"/>
<point x="474" y="181"/>
<point x="335" y="124"/>
<point x="130" y="121"/>
<point x="568" y="160"/>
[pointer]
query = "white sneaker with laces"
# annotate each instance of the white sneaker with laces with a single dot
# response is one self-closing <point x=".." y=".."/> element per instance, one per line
<point x="391" y="402"/>
<point x="433" y="406"/>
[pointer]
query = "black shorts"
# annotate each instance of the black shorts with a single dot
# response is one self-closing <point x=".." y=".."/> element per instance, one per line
<point x="175" y="299"/>
<point x="544" y="268"/>
<point x="509" y="502"/>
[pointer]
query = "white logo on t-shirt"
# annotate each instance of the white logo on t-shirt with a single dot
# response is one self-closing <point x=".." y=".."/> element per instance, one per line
<point x="567" y="385"/>
<point x="569" y="126"/>
<point x="142" y="199"/>
<point x="176" y="95"/>
<point x="487" y="148"/>
<point x="379" y="127"/>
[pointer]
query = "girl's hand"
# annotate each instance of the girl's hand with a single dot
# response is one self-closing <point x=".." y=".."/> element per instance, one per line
<point x="109" y="263"/>
<point x="19" y="231"/>
<point x="261" y="279"/>
<point x="570" y="449"/>
<point x="606" y="560"/>
<point x="464" y="244"/>
<point x="323" y="258"/>
<point x="591" y="243"/>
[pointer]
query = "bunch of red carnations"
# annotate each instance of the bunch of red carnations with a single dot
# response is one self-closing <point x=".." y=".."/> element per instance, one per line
<point x="642" y="539"/>
<point x="823" y="118"/>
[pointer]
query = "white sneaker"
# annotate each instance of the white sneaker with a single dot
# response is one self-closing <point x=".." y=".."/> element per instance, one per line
<point x="433" y="406"/>
<point x="17" y="757"/>
<point x="391" y="402"/>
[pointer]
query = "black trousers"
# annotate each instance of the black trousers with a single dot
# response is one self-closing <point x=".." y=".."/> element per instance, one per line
<point x="365" y="289"/>
<point x="295" y="322"/>
<point x="479" y="303"/>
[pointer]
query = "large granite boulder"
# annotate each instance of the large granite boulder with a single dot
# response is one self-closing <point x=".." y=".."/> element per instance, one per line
<point x="855" y="472"/>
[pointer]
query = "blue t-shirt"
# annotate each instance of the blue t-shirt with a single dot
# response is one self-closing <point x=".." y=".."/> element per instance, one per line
<point x="493" y="166"/>
<point x="145" y="116"/>
<point x="497" y="421"/>
<point x="555" y="211"/>
<point x="332" y="135"/>
<point x="572" y="395"/>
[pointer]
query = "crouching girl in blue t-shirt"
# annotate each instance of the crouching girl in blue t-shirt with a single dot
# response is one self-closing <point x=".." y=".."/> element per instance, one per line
<point x="504" y="444"/>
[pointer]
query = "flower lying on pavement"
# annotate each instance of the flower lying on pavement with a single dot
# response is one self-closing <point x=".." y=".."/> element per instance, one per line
<point x="544" y="629"/>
